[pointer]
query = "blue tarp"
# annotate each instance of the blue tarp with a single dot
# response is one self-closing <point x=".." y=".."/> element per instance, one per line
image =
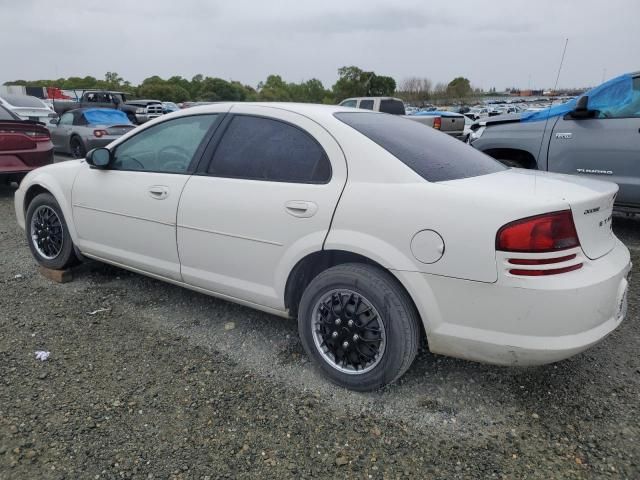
<point x="612" y="96"/>
<point x="106" y="116"/>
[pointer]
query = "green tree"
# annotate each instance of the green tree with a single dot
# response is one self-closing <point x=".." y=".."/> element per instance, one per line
<point x="163" y="91"/>
<point x="355" y="82"/>
<point x="459" y="87"/>
<point x="352" y="82"/>
<point x="274" y="90"/>
<point x="381" y="86"/>
<point x="112" y="80"/>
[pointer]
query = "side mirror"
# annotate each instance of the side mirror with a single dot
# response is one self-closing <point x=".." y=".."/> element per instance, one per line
<point x="99" y="157"/>
<point x="581" y="109"/>
<point x="53" y="121"/>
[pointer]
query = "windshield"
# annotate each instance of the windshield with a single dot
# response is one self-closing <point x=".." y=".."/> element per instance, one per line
<point x="433" y="155"/>
<point x="24" y="101"/>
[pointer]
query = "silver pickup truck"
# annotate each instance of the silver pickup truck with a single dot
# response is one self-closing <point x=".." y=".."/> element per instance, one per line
<point x="597" y="135"/>
<point x="451" y="123"/>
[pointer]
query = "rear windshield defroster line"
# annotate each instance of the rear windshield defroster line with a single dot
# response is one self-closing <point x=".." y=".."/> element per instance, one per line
<point x="433" y="155"/>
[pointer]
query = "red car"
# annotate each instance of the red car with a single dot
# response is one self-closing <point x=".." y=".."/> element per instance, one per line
<point x="24" y="146"/>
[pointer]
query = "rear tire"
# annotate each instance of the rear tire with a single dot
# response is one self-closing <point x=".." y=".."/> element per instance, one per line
<point x="359" y="326"/>
<point x="77" y="148"/>
<point x="48" y="234"/>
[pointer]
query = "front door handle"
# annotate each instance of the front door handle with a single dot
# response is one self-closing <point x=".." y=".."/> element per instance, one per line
<point x="301" y="208"/>
<point x="159" y="192"/>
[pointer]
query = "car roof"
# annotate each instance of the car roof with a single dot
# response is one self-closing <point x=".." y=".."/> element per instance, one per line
<point x="307" y="109"/>
<point x="372" y="98"/>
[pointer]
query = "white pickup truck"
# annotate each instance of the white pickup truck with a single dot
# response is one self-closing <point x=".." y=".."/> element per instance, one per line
<point x="452" y="125"/>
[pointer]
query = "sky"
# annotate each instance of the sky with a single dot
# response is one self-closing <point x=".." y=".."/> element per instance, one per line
<point x="494" y="43"/>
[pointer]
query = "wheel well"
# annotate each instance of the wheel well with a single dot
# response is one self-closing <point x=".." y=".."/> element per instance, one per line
<point x="522" y="157"/>
<point x="315" y="263"/>
<point x="34" y="190"/>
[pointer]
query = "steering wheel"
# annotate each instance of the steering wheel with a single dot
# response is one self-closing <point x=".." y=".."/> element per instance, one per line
<point x="172" y="163"/>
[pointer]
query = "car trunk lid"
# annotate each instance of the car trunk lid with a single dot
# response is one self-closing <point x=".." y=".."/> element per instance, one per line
<point x="21" y="135"/>
<point x="590" y="201"/>
<point x="119" y="129"/>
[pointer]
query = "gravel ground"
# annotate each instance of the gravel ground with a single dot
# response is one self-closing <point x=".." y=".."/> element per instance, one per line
<point x="148" y="380"/>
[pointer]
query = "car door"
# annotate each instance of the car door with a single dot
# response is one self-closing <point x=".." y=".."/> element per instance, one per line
<point x="61" y="131"/>
<point x="127" y="213"/>
<point x="606" y="146"/>
<point x="263" y="202"/>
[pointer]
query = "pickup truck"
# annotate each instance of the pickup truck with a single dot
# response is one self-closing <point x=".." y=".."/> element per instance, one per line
<point x="595" y="135"/>
<point x="452" y="125"/>
<point x="138" y="111"/>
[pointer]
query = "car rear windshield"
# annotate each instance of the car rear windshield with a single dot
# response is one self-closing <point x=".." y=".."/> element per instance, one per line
<point x="24" y="101"/>
<point x="433" y="155"/>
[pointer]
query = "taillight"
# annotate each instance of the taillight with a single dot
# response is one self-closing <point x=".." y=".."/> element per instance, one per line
<point x="543" y="233"/>
<point x="437" y="123"/>
<point x="37" y="134"/>
<point x="99" y="133"/>
<point x="548" y="233"/>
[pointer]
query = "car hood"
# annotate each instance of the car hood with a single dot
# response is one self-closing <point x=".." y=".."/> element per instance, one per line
<point x="506" y="118"/>
<point x="590" y="201"/>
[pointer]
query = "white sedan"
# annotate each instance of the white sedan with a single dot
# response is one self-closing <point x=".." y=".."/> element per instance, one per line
<point x="371" y="229"/>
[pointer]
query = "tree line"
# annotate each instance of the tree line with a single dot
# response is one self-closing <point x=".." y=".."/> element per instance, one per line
<point x="352" y="82"/>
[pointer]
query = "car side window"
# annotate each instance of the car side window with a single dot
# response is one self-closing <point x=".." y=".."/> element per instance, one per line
<point x="166" y="147"/>
<point x="66" y="119"/>
<point x="349" y="103"/>
<point x="366" y="104"/>
<point x="258" y="148"/>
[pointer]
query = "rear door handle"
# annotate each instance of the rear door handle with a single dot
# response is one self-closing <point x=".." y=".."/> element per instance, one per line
<point x="159" y="192"/>
<point x="301" y="208"/>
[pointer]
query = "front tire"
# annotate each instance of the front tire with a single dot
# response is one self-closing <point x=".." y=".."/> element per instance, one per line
<point x="359" y="326"/>
<point x="47" y="233"/>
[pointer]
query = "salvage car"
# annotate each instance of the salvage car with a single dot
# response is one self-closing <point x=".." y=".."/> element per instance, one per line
<point x="24" y="145"/>
<point x="390" y="105"/>
<point x="138" y="111"/>
<point x="28" y="107"/>
<point x="78" y="131"/>
<point x="595" y="135"/>
<point x="252" y="203"/>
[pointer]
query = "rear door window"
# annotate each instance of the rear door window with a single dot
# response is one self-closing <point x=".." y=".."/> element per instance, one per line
<point x="258" y="148"/>
<point x="394" y="107"/>
<point x="366" y="104"/>
<point x="433" y="155"/>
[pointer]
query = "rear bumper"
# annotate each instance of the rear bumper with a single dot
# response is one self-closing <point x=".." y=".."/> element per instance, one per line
<point x="548" y="321"/>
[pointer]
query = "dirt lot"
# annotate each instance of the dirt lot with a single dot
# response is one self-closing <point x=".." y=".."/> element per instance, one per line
<point x="147" y="380"/>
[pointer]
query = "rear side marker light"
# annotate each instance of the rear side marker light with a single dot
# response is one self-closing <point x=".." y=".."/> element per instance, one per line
<point x="541" y="273"/>
<point x="541" y="261"/>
